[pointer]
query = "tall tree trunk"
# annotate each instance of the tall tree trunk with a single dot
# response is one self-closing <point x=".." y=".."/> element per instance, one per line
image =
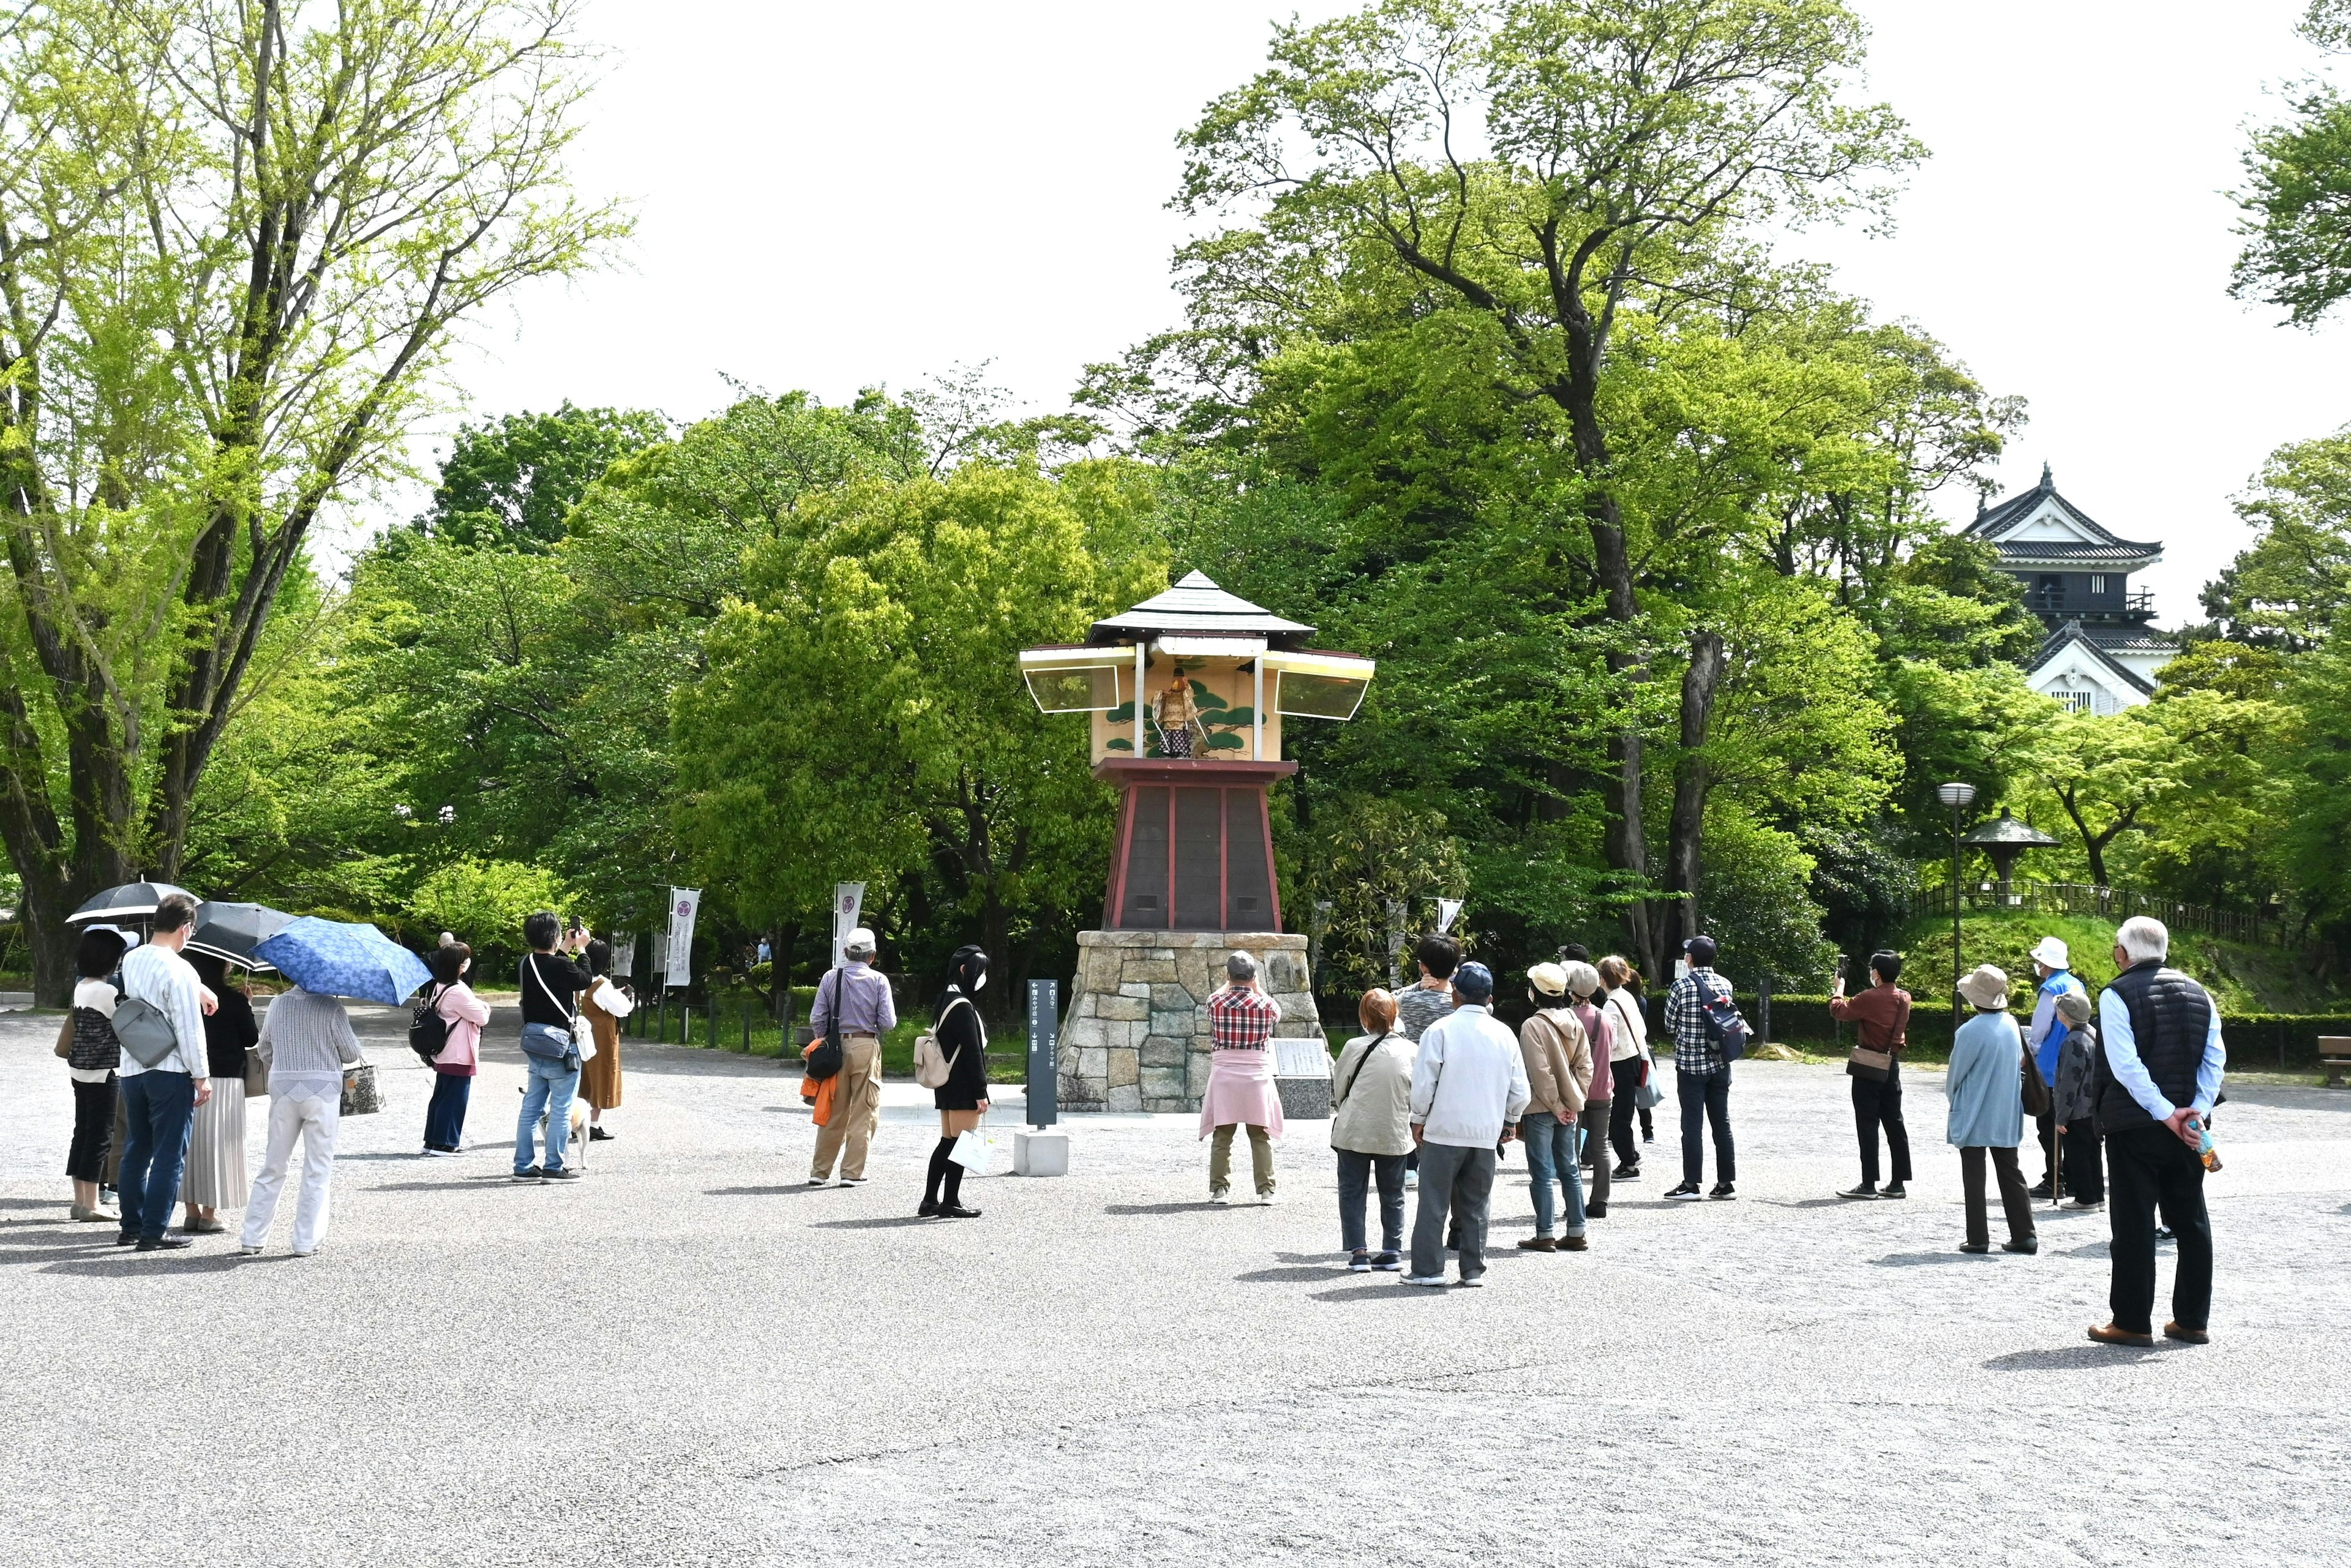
<point x="1687" y="832"/>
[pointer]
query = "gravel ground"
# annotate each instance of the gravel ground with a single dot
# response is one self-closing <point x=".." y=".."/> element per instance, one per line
<point x="690" y="1357"/>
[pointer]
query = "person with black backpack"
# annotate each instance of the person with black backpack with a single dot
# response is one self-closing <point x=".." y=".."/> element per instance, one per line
<point x="445" y="1029"/>
<point x="1708" y="1036"/>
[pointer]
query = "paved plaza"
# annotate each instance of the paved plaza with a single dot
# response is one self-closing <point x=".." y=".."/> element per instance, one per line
<point x="690" y="1357"/>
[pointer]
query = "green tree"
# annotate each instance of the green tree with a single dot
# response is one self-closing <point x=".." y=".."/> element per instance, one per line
<point x="234" y="242"/>
<point x="2297" y="196"/>
<point x="1623" y="150"/>
<point x="862" y="717"/>
<point x="511" y="483"/>
<point x="2293" y="586"/>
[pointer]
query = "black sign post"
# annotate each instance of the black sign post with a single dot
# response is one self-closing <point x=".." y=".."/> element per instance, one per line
<point x="1044" y="1081"/>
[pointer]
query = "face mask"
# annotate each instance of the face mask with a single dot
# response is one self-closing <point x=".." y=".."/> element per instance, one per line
<point x="980" y="984"/>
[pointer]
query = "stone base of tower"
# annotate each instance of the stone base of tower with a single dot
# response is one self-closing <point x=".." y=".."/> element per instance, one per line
<point x="1136" y="1035"/>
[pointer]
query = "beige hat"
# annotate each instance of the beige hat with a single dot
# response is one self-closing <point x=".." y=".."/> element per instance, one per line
<point x="1986" y="989"/>
<point x="1548" y="978"/>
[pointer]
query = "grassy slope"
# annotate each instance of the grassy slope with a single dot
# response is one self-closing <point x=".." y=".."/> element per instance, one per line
<point x="2242" y="977"/>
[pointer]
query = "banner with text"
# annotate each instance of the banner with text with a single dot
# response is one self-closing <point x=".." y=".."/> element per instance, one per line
<point x="685" y="904"/>
<point x="848" y="901"/>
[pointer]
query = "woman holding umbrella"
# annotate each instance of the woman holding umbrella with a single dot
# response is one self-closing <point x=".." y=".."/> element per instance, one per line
<point x="213" y="1177"/>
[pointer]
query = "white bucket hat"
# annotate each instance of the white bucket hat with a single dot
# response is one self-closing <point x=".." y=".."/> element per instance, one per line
<point x="2054" y="953"/>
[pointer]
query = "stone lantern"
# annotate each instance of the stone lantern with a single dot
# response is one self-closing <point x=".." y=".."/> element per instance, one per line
<point x="1186" y="694"/>
<point x="2004" y="841"/>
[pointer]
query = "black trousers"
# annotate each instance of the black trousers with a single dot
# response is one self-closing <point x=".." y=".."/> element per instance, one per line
<point x="1627" y="1077"/>
<point x="1878" y="1102"/>
<point x="1706" y="1100"/>
<point x="2150" y="1170"/>
<point x="2013" y="1198"/>
<point x="93" y="1129"/>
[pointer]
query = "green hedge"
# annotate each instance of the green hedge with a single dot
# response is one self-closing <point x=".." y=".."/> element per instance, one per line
<point x="2254" y="1039"/>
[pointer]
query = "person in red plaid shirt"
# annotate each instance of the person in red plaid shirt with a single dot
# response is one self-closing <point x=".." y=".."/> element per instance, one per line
<point x="1240" y="1080"/>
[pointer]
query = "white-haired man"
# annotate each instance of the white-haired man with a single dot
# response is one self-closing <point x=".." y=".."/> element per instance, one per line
<point x="2159" y="1071"/>
<point x="857" y="995"/>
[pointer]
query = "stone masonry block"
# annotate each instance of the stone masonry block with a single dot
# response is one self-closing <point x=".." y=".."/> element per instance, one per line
<point x="1165" y="1051"/>
<point x="1123" y="1068"/>
<point x="1165" y="1083"/>
<point x="1094" y="1064"/>
<point x="1123" y="1008"/>
<point x="1127" y="1097"/>
<point x="1151" y="971"/>
<point x="1135" y="989"/>
<point x="1171" y="998"/>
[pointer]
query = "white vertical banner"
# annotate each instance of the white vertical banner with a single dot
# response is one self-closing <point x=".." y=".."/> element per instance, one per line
<point x="1447" y="911"/>
<point x="624" y="954"/>
<point x="685" y="904"/>
<point x="847" y="902"/>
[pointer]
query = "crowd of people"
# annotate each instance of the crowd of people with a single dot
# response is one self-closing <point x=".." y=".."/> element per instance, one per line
<point x="162" y="1052"/>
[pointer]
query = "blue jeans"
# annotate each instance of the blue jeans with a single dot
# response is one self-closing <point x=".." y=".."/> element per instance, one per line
<point x="552" y="1084"/>
<point x="445" y="1117"/>
<point x="1551" y="1156"/>
<point x="160" y="1108"/>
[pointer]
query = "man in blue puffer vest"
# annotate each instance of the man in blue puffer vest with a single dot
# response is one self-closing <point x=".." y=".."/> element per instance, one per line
<point x="2044" y="1039"/>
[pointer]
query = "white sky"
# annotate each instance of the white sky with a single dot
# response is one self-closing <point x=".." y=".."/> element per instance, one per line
<point x="838" y="195"/>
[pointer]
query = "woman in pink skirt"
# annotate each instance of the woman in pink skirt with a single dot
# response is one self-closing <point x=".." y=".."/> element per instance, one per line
<point x="1240" y="1080"/>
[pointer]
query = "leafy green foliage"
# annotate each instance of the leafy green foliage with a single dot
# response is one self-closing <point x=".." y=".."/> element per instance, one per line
<point x="511" y="483"/>
<point x="2293" y="585"/>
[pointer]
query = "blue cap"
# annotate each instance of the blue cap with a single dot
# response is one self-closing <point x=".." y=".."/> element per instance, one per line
<point x="1474" y="981"/>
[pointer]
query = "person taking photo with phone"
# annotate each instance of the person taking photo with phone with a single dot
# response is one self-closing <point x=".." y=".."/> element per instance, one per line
<point x="1880" y="1017"/>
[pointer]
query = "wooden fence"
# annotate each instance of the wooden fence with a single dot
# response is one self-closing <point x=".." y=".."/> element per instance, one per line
<point x="2110" y="903"/>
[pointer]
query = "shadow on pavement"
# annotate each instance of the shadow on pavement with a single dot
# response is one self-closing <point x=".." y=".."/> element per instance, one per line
<point x="127" y="1262"/>
<point x="1817" y="1202"/>
<point x="1292" y="1274"/>
<point x="1380" y="1288"/>
<point x="1167" y="1207"/>
<point x="1913" y="1260"/>
<point x="2071" y="1357"/>
<point x="888" y="1222"/>
<point x="462" y="1183"/>
<point x="797" y="1186"/>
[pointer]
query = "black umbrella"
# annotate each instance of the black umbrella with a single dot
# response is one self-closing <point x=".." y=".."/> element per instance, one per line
<point x="131" y="901"/>
<point x="231" y="931"/>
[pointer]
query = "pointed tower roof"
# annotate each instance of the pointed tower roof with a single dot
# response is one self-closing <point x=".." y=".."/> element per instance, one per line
<point x="1199" y="608"/>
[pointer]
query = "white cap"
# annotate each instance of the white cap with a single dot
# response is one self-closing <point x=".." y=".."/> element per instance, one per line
<point x="2052" y="952"/>
<point x="858" y="941"/>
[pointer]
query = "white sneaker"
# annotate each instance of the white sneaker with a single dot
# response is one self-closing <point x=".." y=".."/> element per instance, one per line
<point x="248" y="1251"/>
<point x="1268" y="1199"/>
<point x="1221" y="1198"/>
<point x="1412" y="1181"/>
<point x="1424" y="1280"/>
<point x="854" y="1181"/>
<point x="816" y="1181"/>
<point x="1477" y="1284"/>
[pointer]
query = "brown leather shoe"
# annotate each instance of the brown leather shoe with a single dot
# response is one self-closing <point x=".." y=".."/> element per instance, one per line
<point x="2186" y="1336"/>
<point x="1539" y="1244"/>
<point x="2107" y="1333"/>
<point x="1574" y="1244"/>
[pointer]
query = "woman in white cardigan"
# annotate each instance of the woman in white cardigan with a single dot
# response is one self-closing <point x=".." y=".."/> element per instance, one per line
<point x="1371" y="1129"/>
<point x="1630" y="1065"/>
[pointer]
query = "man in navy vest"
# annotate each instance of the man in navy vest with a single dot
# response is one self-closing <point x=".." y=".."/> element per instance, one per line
<point x="2158" y="1076"/>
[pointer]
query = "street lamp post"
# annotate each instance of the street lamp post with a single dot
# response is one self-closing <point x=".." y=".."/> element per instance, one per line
<point x="1959" y="797"/>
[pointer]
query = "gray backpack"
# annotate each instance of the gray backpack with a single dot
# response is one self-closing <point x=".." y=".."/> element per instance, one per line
<point x="146" y="1031"/>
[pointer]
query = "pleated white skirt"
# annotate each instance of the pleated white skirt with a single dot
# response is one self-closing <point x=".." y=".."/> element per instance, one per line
<point x="216" y="1176"/>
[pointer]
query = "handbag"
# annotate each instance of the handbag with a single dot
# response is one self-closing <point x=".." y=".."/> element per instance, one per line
<point x="1864" y="1062"/>
<point x="146" y="1031"/>
<point x="826" y="1057"/>
<point x="572" y="1045"/>
<point x="64" y="1037"/>
<point x="256" y="1074"/>
<point x="974" y="1150"/>
<point x="362" y="1097"/>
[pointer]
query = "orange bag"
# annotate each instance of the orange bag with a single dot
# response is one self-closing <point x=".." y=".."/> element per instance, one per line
<point x="818" y="1092"/>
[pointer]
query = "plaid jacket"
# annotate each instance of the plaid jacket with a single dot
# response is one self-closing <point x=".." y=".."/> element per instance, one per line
<point x="1686" y="1020"/>
<point x="1241" y="1019"/>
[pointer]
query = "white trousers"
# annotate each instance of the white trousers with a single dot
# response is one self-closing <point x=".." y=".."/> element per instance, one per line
<point x="315" y="1121"/>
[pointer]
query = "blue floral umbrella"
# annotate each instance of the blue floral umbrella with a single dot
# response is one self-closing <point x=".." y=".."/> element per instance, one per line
<point x="337" y="959"/>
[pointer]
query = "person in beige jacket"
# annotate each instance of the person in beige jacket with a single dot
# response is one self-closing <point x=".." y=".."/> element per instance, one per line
<point x="1559" y="1075"/>
<point x="1371" y="1130"/>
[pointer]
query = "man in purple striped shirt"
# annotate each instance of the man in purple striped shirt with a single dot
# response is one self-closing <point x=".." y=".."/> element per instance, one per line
<point x="860" y="994"/>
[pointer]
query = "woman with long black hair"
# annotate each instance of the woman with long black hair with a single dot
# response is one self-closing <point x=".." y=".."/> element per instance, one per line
<point x="963" y="1098"/>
